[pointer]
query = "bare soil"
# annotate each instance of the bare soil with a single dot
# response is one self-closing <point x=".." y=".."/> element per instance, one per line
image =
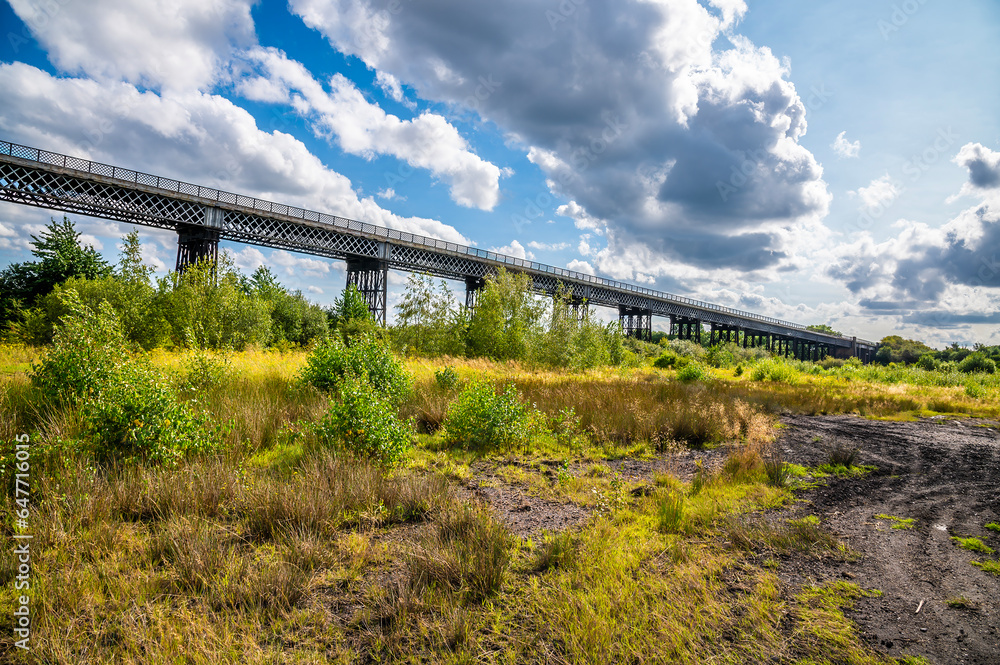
<point x="943" y="473"/>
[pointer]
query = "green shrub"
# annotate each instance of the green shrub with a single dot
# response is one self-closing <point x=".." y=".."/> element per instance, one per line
<point x="692" y="372"/>
<point x="775" y="370"/>
<point x="363" y="422"/>
<point x="928" y="362"/>
<point x="86" y="350"/>
<point x="136" y="416"/>
<point x="977" y="362"/>
<point x="669" y="359"/>
<point x="366" y="359"/>
<point x="446" y="377"/>
<point x="483" y="419"/>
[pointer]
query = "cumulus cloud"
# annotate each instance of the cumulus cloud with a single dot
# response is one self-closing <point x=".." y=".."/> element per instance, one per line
<point x="629" y="109"/>
<point x="983" y="165"/>
<point x="846" y="148"/>
<point x="548" y="247"/>
<point x="178" y="45"/>
<point x="362" y="128"/>
<point x="581" y="266"/>
<point x="878" y="193"/>
<point x="191" y="136"/>
<point x="953" y="269"/>
<point x="514" y="249"/>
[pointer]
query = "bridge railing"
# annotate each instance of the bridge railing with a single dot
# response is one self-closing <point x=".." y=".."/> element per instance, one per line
<point x="211" y="194"/>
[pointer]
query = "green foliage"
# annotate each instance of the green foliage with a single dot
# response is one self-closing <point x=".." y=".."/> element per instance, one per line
<point x="86" y="351"/>
<point x="129" y="410"/>
<point x="895" y="349"/>
<point x="823" y="328"/>
<point x="977" y="362"/>
<point x="692" y="372"/>
<point x="294" y="321"/>
<point x="207" y="308"/>
<point x="670" y="512"/>
<point x="483" y="419"/>
<point x="367" y="359"/>
<point x="992" y="526"/>
<point x="59" y="256"/>
<point x="988" y="566"/>
<point x="135" y="416"/>
<point x="426" y="321"/>
<point x="446" y="378"/>
<point x="774" y="369"/>
<point x="363" y="421"/>
<point x="973" y="545"/>
<point x="928" y="362"/>
<point x="506" y="318"/>
<point x="350" y="306"/>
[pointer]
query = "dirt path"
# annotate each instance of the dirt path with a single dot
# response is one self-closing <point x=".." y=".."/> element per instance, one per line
<point x="946" y="475"/>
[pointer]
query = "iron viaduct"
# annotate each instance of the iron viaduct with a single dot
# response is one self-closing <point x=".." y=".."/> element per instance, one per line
<point x="202" y="216"/>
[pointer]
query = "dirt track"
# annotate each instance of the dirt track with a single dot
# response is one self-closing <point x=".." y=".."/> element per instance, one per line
<point x="946" y="475"/>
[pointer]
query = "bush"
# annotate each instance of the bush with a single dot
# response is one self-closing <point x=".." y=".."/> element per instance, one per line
<point x="129" y="410"/>
<point x="669" y="359"/>
<point x="136" y="416"/>
<point x="363" y="422"/>
<point x="446" y="377"/>
<point x="977" y="362"/>
<point x="483" y="419"/>
<point x="85" y="352"/>
<point x="928" y="362"/>
<point x="366" y="359"/>
<point x="692" y="372"/>
<point x="774" y="370"/>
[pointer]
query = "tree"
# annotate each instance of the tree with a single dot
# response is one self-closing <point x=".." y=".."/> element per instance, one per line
<point x="427" y="321"/>
<point x="60" y="256"/>
<point x="898" y="350"/>
<point x="506" y="318"/>
<point x="823" y="328"/>
<point x="293" y="318"/>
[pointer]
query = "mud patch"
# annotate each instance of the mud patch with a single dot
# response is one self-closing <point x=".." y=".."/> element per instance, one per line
<point x="945" y="475"/>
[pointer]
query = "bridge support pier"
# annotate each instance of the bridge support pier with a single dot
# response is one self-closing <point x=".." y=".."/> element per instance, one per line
<point x="371" y="277"/>
<point x="685" y="328"/>
<point x="196" y="243"/>
<point x="636" y="322"/>
<point x="473" y="287"/>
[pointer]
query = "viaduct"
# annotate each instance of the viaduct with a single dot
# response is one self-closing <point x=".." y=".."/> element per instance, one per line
<point x="202" y="216"/>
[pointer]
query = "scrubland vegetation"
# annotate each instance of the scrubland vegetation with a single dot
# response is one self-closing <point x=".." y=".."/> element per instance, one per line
<point x="222" y="475"/>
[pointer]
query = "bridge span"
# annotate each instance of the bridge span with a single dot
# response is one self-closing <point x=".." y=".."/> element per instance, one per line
<point x="202" y="216"/>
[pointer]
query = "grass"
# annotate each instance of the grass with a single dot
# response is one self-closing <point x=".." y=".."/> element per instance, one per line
<point x="992" y="526"/>
<point x="278" y="550"/>
<point x="988" y="566"/>
<point x="961" y="603"/>
<point x="972" y="544"/>
<point x="897" y="522"/>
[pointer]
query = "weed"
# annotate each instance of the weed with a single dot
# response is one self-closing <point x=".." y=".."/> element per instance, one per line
<point x="670" y="512"/>
<point x="988" y="566"/>
<point x="364" y="423"/>
<point x="898" y="522"/>
<point x="992" y="526"/>
<point x="972" y="544"/>
<point x="961" y="603"/>
<point x="845" y="457"/>
<point x="689" y="373"/>
<point x="777" y="471"/>
<point x="446" y="378"/>
<point x="468" y="553"/>
<point x="557" y="551"/>
<point x="483" y="419"/>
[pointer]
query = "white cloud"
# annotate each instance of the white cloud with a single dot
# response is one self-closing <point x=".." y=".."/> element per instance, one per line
<point x="191" y="136"/>
<point x="314" y="289"/>
<point x="180" y="44"/>
<point x="689" y="150"/>
<point x="388" y="194"/>
<point x="879" y="193"/>
<point x="983" y="165"/>
<point x="846" y="148"/>
<point x="362" y="128"/>
<point x="514" y="249"/>
<point x="581" y="266"/>
<point x="548" y="247"/>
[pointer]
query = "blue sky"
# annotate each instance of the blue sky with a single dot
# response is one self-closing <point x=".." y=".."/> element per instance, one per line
<point x="817" y="162"/>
